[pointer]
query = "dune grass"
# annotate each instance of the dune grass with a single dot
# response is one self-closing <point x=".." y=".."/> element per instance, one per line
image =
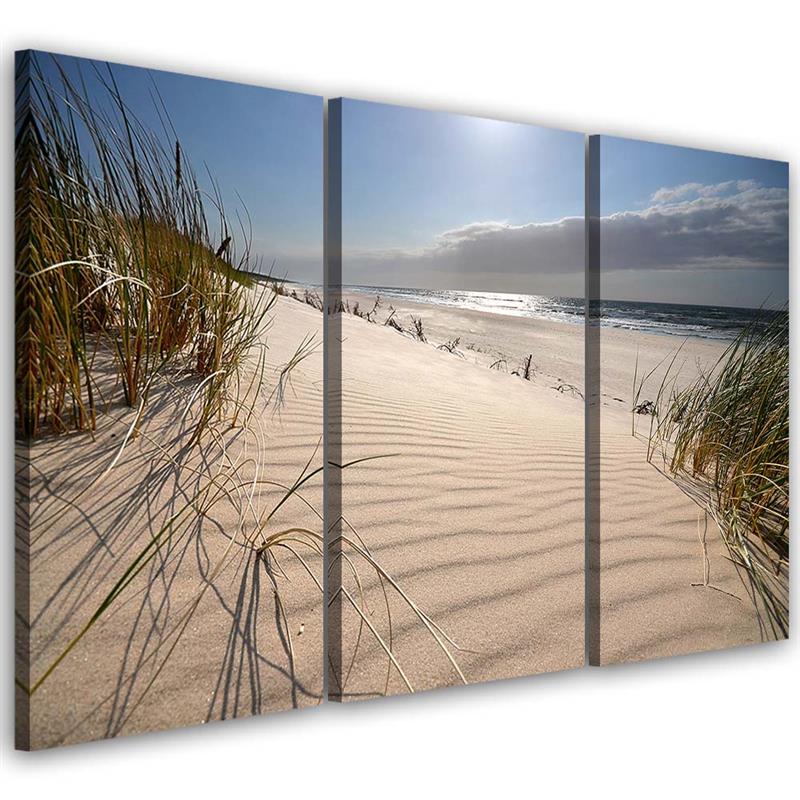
<point x="131" y="283"/>
<point x="117" y="256"/>
<point x="728" y="432"/>
<point x="126" y="284"/>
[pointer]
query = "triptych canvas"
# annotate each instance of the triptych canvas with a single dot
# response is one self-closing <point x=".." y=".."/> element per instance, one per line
<point x="340" y="400"/>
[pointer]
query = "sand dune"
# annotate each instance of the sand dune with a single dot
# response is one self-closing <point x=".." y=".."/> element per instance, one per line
<point x="478" y="513"/>
<point x="653" y="598"/>
<point x="197" y="636"/>
<point x="659" y="594"/>
<point x="475" y="509"/>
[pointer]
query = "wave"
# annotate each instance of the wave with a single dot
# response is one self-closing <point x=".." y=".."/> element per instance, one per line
<point x="673" y="319"/>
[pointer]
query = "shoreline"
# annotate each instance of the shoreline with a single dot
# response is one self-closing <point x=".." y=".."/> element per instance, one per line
<point x="578" y="319"/>
<point x="556" y="345"/>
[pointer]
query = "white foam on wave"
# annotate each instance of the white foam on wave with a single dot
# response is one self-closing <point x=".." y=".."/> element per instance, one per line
<point x="644" y="317"/>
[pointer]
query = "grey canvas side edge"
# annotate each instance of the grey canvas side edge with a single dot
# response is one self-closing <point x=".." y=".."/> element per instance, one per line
<point x="22" y="462"/>
<point x="592" y="404"/>
<point x="332" y="416"/>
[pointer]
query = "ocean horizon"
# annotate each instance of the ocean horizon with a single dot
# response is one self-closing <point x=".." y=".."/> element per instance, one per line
<point x="674" y="319"/>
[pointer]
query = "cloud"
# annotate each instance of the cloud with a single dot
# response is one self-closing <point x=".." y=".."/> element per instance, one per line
<point x="734" y="224"/>
<point x="669" y="193"/>
<point x="728" y="225"/>
<point x="490" y="246"/>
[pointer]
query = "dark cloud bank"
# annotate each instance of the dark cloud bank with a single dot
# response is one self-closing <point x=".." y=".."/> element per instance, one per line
<point x="735" y="225"/>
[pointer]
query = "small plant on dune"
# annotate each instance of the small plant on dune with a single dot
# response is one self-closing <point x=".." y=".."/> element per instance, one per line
<point x="417" y="329"/>
<point x="728" y="432"/>
<point x="311" y="298"/>
<point x="640" y="407"/>
<point x="369" y="316"/>
<point x="527" y="369"/>
<point x="568" y="388"/>
<point x="392" y="322"/>
<point x="451" y="346"/>
<point x="279" y="287"/>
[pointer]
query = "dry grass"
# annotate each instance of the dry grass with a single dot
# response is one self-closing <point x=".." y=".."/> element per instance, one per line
<point x="527" y="370"/>
<point x="452" y="346"/>
<point x="129" y="281"/>
<point x="116" y="257"/>
<point x="728" y="433"/>
<point x="418" y="329"/>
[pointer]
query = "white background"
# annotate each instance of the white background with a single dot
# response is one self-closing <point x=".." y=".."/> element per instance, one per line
<point x="722" y="76"/>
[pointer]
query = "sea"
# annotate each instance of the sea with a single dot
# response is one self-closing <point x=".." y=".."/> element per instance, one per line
<point x="672" y="319"/>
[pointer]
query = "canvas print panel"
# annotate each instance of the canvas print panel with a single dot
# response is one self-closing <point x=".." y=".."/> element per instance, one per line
<point x="694" y="379"/>
<point x="169" y="406"/>
<point x="460" y="546"/>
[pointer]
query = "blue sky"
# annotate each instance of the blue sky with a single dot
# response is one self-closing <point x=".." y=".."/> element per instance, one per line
<point x="410" y="174"/>
<point x="632" y="171"/>
<point x="418" y="186"/>
<point x="262" y="143"/>
<point x="437" y="200"/>
<point x="692" y="226"/>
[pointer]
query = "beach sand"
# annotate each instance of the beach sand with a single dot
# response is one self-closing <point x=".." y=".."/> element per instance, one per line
<point x="198" y="635"/>
<point x="659" y="595"/>
<point x="477" y="512"/>
<point x="475" y="509"/>
<point x="479" y="515"/>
